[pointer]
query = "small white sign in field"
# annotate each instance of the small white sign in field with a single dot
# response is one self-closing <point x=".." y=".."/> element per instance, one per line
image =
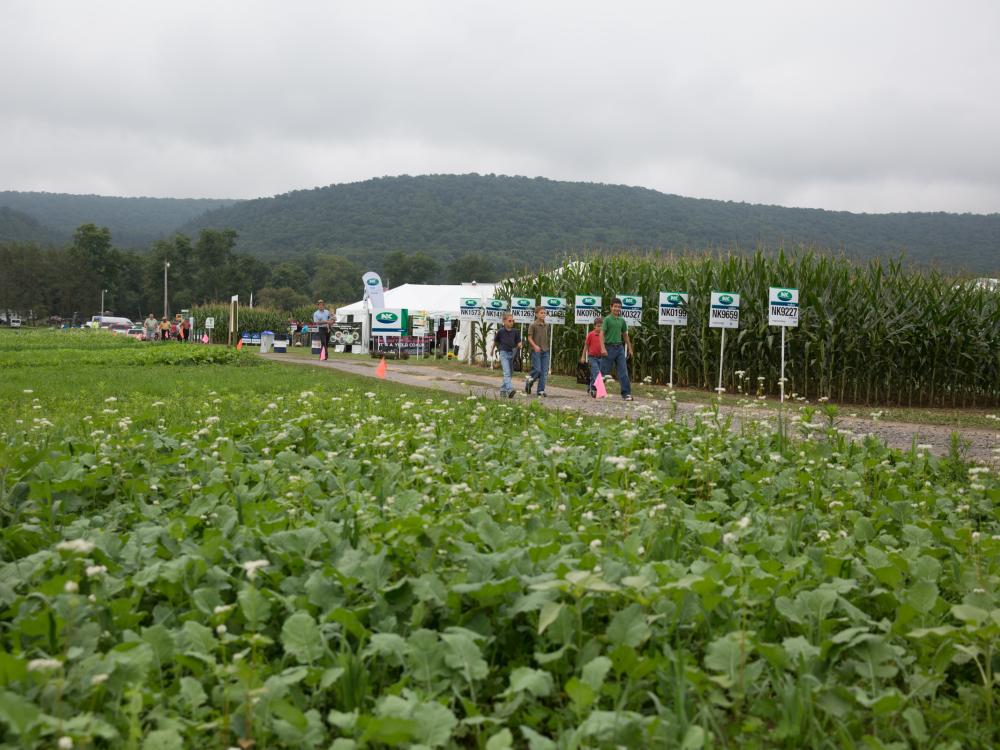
<point x="494" y="310"/>
<point x="673" y="309"/>
<point x="724" y="311"/>
<point x="555" y="310"/>
<point x="587" y="309"/>
<point x="470" y="308"/>
<point x="631" y="309"/>
<point x="783" y="307"/>
<point x="523" y="309"/>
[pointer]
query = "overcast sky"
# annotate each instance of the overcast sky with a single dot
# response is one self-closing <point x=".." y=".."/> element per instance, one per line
<point x="861" y="106"/>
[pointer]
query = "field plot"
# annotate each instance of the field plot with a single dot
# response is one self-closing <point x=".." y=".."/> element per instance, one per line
<point x="240" y="554"/>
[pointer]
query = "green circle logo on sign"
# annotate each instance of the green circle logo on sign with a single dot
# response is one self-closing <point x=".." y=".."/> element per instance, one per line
<point x="470" y="303"/>
<point x="674" y="299"/>
<point x="629" y="301"/>
<point x="372" y="282"/>
<point x="386" y="317"/>
<point x="552" y="302"/>
<point x="589" y="300"/>
<point x="725" y="299"/>
<point x="496" y="304"/>
<point x="523" y="303"/>
<point x="784" y="295"/>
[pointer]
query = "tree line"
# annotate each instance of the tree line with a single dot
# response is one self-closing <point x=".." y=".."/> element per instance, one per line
<point x="67" y="281"/>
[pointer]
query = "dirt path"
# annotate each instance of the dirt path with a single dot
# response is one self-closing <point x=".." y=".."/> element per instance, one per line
<point x="981" y="444"/>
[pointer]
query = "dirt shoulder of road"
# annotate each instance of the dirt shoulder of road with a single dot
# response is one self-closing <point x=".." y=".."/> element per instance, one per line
<point x="978" y="444"/>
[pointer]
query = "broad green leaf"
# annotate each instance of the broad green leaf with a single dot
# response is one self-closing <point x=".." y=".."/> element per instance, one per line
<point x="301" y="638"/>
<point x="969" y="614"/>
<point x="694" y="738"/>
<point x="536" y="682"/>
<point x="595" y="671"/>
<point x="502" y="740"/>
<point x="163" y="739"/>
<point x="629" y="627"/>
<point x="18" y="713"/>
<point x="922" y="596"/>
<point x="798" y="647"/>
<point x="254" y="606"/>
<point x="550" y="611"/>
<point x="463" y="655"/>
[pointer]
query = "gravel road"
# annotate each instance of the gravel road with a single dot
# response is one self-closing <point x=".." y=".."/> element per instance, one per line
<point x="981" y="445"/>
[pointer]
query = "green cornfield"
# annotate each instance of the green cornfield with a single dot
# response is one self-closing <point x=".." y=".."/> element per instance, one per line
<point x="874" y="333"/>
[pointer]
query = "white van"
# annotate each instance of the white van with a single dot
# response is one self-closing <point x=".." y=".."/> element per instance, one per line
<point x="111" y="322"/>
<point x="15" y="322"/>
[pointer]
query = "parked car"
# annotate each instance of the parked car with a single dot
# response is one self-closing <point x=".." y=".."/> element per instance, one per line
<point x="15" y="322"/>
<point x="137" y="332"/>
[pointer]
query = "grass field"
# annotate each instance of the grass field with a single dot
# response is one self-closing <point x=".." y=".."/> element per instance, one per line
<point x="234" y="553"/>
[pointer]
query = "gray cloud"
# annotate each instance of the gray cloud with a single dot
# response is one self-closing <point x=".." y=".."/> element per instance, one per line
<point x="885" y="106"/>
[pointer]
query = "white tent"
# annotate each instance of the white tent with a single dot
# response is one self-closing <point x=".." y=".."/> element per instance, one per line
<point x="437" y="300"/>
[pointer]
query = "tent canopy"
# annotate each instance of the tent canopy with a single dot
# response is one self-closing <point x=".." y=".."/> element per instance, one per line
<point x="437" y="299"/>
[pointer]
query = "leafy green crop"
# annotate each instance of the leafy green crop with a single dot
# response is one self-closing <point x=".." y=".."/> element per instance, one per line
<point x="356" y="565"/>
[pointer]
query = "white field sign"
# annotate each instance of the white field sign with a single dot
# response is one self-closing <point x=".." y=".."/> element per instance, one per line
<point x="523" y="309"/>
<point x="673" y="313"/>
<point x="210" y="323"/>
<point x="673" y="309"/>
<point x="631" y="309"/>
<point x="725" y="310"/>
<point x="782" y="310"/>
<point x="387" y="323"/>
<point x="555" y="310"/>
<point x="494" y="310"/>
<point x="470" y="308"/>
<point x="723" y="313"/>
<point x="783" y="307"/>
<point x="587" y="309"/>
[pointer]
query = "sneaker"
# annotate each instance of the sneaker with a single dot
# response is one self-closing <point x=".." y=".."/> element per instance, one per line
<point x="528" y="382"/>
<point x="510" y="393"/>
<point x="628" y="397"/>
<point x="542" y="394"/>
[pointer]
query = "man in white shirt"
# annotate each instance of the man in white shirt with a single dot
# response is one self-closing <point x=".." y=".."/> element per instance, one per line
<point x="322" y="320"/>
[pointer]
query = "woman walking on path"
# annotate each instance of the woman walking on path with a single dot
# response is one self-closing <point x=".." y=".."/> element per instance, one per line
<point x="538" y="337"/>
<point x="508" y="343"/>
<point x="591" y="355"/>
<point x="616" y="346"/>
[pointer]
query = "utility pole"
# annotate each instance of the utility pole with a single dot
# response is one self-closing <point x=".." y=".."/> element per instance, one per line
<point x="103" y="291"/>
<point x="166" y="265"/>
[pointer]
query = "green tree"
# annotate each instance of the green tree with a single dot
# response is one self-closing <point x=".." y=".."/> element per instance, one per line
<point x="336" y="280"/>
<point x="471" y="267"/>
<point x="284" y="297"/>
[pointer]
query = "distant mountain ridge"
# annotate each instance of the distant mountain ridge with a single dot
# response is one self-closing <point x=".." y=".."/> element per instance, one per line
<point x="134" y="222"/>
<point x="515" y="221"/>
<point x="527" y="220"/>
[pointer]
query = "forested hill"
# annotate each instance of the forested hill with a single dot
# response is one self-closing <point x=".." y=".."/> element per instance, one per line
<point x="17" y="226"/>
<point x="524" y="219"/>
<point x="134" y="222"/>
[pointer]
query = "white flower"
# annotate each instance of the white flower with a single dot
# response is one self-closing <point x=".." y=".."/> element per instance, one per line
<point x="80" y="546"/>
<point x="743" y="522"/>
<point x="65" y="742"/>
<point x="252" y="566"/>
<point x="97" y="679"/>
<point x="221" y="629"/>
<point x="71" y="587"/>
<point x="728" y="538"/>
<point x="96" y="570"/>
<point x="43" y="665"/>
<point x="595" y="543"/>
<point x="823" y="535"/>
<point x="110" y="400"/>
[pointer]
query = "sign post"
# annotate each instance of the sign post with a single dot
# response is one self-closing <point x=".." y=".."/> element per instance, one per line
<point x="724" y="313"/>
<point x="522" y="309"/>
<point x="782" y="310"/>
<point x="673" y="313"/>
<point x="470" y="310"/>
<point x="555" y="314"/>
<point x="587" y="309"/>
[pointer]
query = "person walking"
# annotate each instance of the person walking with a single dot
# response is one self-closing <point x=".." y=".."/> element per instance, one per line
<point x="150" y="325"/>
<point x="508" y="343"/>
<point x="616" y="346"/>
<point x="538" y="338"/>
<point x="322" y="320"/>
<point x="591" y="355"/>
<point x="164" y="329"/>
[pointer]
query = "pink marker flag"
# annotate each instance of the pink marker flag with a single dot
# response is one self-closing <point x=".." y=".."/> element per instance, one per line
<point x="322" y="354"/>
<point x="380" y="370"/>
<point x="602" y="392"/>
<point x="204" y="339"/>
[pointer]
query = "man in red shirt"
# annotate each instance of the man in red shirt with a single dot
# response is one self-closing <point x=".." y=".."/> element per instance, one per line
<point x="591" y="355"/>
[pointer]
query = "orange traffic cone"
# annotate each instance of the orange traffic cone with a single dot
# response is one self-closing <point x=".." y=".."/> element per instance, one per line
<point x="322" y="354"/>
<point x="239" y="345"/>
<point x="380" y="370"/>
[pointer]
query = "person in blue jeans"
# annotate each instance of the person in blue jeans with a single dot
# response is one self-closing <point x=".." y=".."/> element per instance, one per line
<point x="508" y="343"/>
<point x="591" y="355"/>
<point x="616" y="347"/>
<point x="538" y="338"/>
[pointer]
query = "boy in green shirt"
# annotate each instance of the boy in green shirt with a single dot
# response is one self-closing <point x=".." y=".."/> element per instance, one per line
<point x="616" y="346"/>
